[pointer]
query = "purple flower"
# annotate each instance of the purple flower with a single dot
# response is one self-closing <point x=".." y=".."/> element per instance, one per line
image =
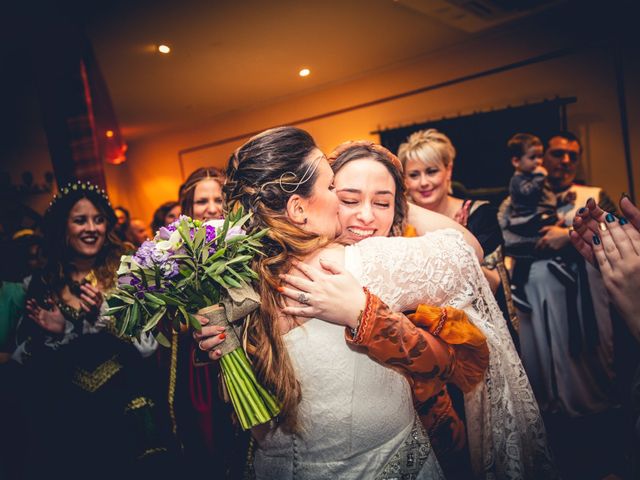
<point x="234" y="232"/>
<point x="165" y="232"/>
<point x="143" y="255"/>
<point x="211" y="233"/>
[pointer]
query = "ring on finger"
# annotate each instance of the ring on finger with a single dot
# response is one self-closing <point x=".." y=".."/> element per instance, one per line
<point x="303" y="298"/>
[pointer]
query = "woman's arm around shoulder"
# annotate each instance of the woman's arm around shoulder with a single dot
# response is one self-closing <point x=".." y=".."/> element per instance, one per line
<point x="426" y="221"/>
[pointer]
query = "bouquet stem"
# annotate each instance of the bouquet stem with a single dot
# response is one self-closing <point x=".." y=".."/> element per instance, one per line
<point x="252" y="403"/>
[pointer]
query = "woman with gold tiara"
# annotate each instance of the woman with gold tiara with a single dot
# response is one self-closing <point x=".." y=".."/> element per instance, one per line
<point x="90" y="402"/>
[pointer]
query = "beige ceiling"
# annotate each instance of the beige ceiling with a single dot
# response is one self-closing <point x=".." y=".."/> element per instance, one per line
<point x="237" y="55"/>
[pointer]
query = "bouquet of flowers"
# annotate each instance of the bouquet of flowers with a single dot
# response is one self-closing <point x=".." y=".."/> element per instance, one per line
<point x="197" y="267"/>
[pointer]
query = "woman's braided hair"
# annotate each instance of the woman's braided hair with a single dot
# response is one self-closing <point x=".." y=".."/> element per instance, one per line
<point x="261" y="177"/>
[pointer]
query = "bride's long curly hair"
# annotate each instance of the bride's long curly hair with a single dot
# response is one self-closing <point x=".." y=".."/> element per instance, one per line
<point x="261" y="177"/>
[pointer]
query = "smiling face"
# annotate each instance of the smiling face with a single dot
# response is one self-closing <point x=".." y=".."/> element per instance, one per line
<point x="86" y="229"/>
<point x="207" y="200"/>
<point x="321" y="207"/>
<point x="427" y="183"/>
<point x="366" y="193"/>
<point x="172" y="215"/>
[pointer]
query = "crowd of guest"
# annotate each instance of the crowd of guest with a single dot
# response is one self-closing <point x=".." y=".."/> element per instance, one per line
<point x="524" y="367"/>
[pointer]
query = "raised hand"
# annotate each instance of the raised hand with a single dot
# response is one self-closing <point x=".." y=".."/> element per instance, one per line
<point x="90" y="298"/>
<point x="462" y="215"/>
<point x="51" y="320"/>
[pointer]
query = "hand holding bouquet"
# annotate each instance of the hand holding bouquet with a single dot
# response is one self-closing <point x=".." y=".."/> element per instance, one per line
<point x="193" y="267"/>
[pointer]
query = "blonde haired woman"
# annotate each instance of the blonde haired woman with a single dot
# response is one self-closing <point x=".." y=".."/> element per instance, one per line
<point x="427" y="159"/>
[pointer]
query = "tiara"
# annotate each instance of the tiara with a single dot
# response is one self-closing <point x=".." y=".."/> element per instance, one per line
<point x="78" y="186"/>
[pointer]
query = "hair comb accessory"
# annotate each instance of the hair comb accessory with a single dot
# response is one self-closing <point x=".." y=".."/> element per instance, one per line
<point x="288" y="178"/>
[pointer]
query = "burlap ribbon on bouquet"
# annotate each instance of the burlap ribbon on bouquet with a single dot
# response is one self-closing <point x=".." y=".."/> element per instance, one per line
<point x="231" y="311"/>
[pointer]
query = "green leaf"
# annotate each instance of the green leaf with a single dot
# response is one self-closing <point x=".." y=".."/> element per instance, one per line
<point x="199" y="237"/>
<point x="113" y="310"/>
<point x="231" y="281"/>
<point x="169" y="300"/>
<point x="242" y="221"/>
<point x="236" y="274"/>
<point x="124" y="297"/>
<point x="240" y="258"/>
<point x="125" y="321"/>
<point x="134" y="320"/>
<point x="259" y="234"/>
<point x="162" y="340"/>
<point x="153" y="321"/>
<point x="236" y="239"/>
<point x="195" y="323"/>
<point x="153" y="299"/>
<point x="218" y="279"/>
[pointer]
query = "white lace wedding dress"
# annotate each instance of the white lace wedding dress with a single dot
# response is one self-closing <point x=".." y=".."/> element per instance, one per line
<point x="355" y="413"/>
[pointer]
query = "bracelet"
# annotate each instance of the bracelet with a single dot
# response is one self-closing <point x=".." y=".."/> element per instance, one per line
<point x="354" y="330"/>
<point x="443" y="318"/>
<point x="363" y="318"/>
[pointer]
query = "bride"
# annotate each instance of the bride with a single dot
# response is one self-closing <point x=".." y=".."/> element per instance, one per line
<point x="343" y="415"/>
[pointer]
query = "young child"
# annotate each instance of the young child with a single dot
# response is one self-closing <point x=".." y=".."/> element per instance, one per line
<point x="533" y="206"/>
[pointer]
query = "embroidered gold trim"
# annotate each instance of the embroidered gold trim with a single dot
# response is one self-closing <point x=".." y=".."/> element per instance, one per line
<point x="172" y="381"/>
<point x="139" y="402"/>
<point x="151" y="451"/>
<point x="92" y="381"/>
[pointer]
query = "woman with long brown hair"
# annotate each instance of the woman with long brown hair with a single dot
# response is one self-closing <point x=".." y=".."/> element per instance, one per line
<point x="335" y="419"/>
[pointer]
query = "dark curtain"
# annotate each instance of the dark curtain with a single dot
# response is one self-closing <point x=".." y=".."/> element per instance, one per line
<point x="482" y="167"/>
<point x="79" y="120"/>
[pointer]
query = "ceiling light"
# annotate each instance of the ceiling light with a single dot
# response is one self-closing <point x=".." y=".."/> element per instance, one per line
<point x="164" y="48"/>
<point x="304" y="72"/>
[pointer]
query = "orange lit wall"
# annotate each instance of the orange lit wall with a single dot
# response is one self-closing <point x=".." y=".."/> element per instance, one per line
<point x="152" y="175"/>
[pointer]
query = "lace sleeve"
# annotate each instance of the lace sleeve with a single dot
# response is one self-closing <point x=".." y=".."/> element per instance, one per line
<point x="505" y="431"/>
<point x="404" y="272"/>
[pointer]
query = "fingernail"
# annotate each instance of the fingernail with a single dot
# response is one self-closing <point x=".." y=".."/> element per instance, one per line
<point x="610" y="218"/>
<point x="596" y="240"/>
<point x="602" y="226"/>
<point x="582" y="210"/>
<point x="624" y="195"/>
<point x="222" y="336"/>
<point x="623" y="221"/>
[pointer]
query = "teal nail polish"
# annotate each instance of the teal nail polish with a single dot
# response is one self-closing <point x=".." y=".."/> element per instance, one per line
<point x="610" y="218"/>
<point x="581" y="211"/>
<point x="596" y="240"/>
<point x="623" y="221"/>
